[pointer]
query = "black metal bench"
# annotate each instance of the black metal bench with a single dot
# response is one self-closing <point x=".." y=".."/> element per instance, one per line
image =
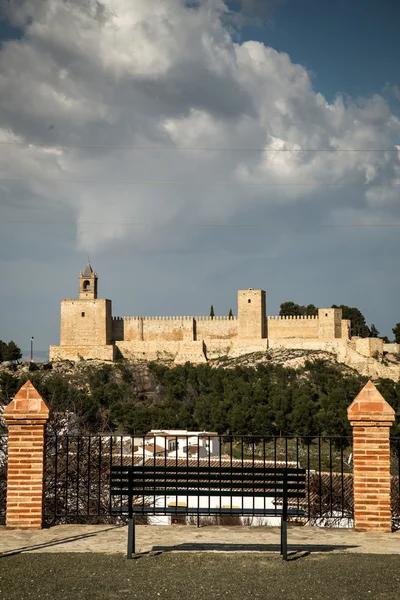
<point x="137" y="490"/>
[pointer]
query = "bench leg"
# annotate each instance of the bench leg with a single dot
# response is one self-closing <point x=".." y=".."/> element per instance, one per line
<point x="284" y="539"/>
<point x="131" y="537"/>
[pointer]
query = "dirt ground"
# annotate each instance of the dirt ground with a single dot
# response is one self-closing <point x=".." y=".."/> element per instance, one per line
<point x="198" y="575"/>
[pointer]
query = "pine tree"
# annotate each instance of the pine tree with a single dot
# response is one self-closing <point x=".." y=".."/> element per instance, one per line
<point x="359" y="326"/>
<point x="12" y="352"/>
<point x="290" y="309"/>
<point x="396" y="331"/>
<point x="373" y="332"/>
<point x="212" y="311"/>
<point x="3" y="347"/>
<point x="230" y="314"/>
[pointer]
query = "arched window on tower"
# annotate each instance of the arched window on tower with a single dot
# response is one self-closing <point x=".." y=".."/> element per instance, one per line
<point x="86" y="286"/>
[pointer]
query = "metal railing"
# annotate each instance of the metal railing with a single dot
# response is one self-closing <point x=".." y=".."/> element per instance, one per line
<point x="395" y="480"/>
<point x="77" y="468"/>
<point x="3" y="476"/>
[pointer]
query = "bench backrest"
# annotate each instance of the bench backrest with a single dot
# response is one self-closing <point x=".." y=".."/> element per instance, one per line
<point x="144" y="481"/>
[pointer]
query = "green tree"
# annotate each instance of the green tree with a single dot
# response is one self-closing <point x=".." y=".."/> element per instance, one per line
<point x="8" y="387"/>
<point x="305" y="408"/>
<point x="12" y="352"/>
<point x="359" y="326"/>
<point x="289" y="309"/>
<point x="3" y="347"/>
<point x="396" y="331"/>
<point x="212" y="311"/>
<point x="230" y="314"/>
<point x="373" y="332"/>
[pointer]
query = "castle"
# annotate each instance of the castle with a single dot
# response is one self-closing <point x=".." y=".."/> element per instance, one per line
<point x="89" y="331"/>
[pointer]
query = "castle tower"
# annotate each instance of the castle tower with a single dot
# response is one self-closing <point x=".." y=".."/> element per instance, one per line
<point x="251" y="314"/>
<point x="87" y="321"/>
<point x="329" y="323"/>
<point x="88" y="284"/>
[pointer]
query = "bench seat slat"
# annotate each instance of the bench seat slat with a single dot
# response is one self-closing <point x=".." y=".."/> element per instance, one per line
<point x="188" y="510"/>
<point x="211" y="469"/>
<point x="217" y="478"/>
<point x="224" y="493"/>
<point x="209" y="492"/>
<point x="161" y="485"/>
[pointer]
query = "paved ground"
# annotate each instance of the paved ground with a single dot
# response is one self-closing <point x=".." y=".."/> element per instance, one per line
<point x="198" y="576"/>
<point x="113" y="539"/>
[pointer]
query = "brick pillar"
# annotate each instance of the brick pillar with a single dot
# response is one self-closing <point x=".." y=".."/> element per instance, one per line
<point x="371" y="417"/>
<point x="26" y="417"/>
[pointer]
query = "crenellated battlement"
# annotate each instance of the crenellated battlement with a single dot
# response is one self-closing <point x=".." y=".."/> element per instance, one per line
<point x="126" y="318"/>
<point x="216" y="318"/>
<point x="293" y="318"/>
<point x="176" y="318"/>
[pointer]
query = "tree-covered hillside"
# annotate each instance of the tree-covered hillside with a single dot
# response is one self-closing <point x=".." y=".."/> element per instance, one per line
<point x="268" y="399"/>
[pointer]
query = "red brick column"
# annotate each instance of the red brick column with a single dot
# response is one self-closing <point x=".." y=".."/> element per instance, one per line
<point x="371" y="417"/>
<point x="26" y="417"/>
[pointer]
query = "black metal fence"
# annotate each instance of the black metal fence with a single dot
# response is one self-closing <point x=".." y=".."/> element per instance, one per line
<point x="3" y="477"/>
<point x="395" y="480"/>
<point x="78" y="468"/>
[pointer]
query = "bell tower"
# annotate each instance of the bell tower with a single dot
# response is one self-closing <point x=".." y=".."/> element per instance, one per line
<point x="88" y="284"/>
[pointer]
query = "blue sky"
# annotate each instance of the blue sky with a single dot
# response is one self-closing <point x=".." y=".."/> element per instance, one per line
<point x="154" y="73"/>
<point x="351" y="46"/>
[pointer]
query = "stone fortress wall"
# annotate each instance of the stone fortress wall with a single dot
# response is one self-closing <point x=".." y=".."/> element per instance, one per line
<point x="173" y="329"/>
<point x="89" y="331"/>
<point x="292" y="327"/>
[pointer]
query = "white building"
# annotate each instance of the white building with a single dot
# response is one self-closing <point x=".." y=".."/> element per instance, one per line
<point x="178" y="444"/>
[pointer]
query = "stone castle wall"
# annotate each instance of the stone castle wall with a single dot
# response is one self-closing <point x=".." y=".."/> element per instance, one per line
<point x="86" y="323"/>
<point x="173" y="329"/>
<point x="218" y="328"/>
<point x="76" y="353"/>
<point x="367" y="346"/>
<point x="292" y="327"/>
<point x="327" y="325"/>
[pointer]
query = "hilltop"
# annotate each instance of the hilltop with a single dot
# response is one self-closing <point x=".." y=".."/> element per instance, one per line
<point x="289" y="392"/>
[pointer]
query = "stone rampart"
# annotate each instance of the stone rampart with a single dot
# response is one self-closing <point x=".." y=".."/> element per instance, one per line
<point x="154" y="350"/>
<point x="292" y="327"/>
<point x="369" y="347"/>
<point x="193" y="352"/>
<point x="221" y="328"/>
<point x="335" y="346"/>
<point x="179" y="351"/>
<point x="173" y="329"/>
<point x="76" y="353"/>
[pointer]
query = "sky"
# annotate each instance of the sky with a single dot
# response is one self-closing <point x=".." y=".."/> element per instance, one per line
<point x="192" y="148"/>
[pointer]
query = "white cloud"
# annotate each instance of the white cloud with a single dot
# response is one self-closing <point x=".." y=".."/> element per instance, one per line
<point x="159" y="74"/>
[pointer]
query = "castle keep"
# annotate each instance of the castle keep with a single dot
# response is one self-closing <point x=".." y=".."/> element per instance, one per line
<point x="89" y="331"/>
